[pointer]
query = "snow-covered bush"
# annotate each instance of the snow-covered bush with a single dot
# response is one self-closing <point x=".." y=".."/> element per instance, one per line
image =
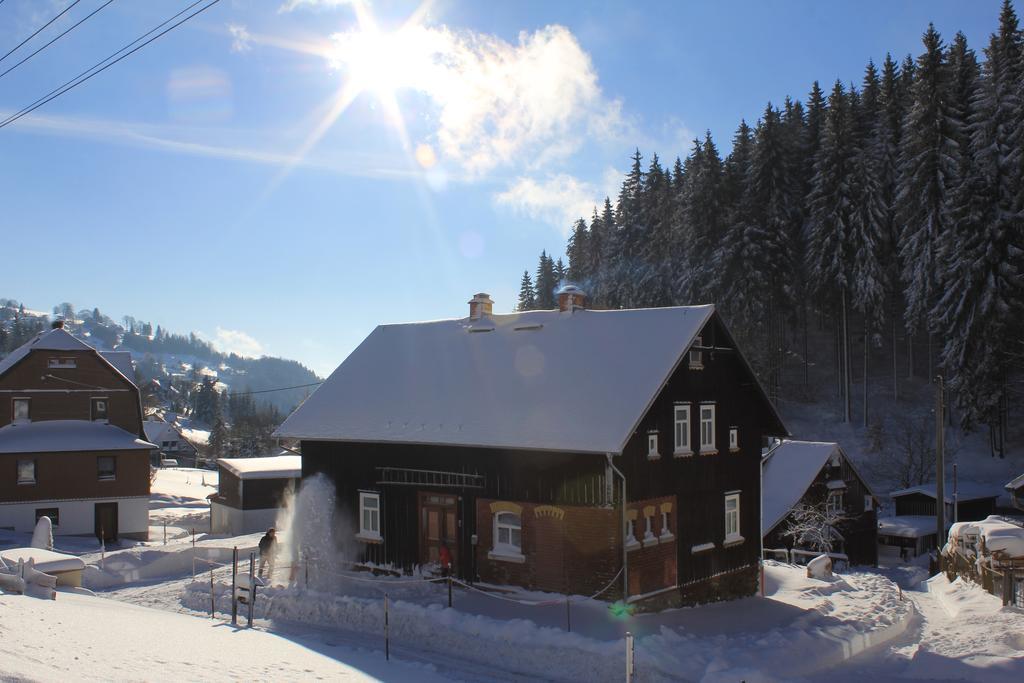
<point x="42" y="537"/>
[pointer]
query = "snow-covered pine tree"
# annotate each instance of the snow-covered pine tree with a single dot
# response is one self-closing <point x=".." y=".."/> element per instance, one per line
<point x="726" y="262"/>
<point x="527" y="298"/>
<point x="560" y="272"/>
<point x="629" y="233"/>
<point x="578" y="252"/>
<point x="830" y="206"/>
<point x="929" y="160"/>
<point x="545" y="283"/>
<point x="652" y="274"/>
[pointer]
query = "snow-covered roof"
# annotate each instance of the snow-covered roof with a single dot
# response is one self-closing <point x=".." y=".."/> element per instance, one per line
<point x="907" y="526"/>
<point x="788" y="471"/>
<point x="122" y="360"/>
<point x="536" y="380"/>
<point x="158" y="431"/>
<point x="1015" y="484"/>
<point x="54" y="339"/>
<point x="45" y="560"/>
<point x="50" y="436"/>
<point x="966" y="490"/>
<point x="273" y="467"/>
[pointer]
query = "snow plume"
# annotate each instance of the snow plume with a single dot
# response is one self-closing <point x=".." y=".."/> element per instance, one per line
<point x="311" y="531"/>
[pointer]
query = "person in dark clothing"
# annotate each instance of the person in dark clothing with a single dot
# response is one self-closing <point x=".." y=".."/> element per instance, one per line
<point x="268" y="546"/>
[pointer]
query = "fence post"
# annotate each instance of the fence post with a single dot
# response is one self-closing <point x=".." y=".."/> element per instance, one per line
<point x="764" y="588"/>
<point x="449" y="590"/>
<point x="629" y="657"/>
<point x="193" y="555"/>
<point x="387" y="631"/>
<point x="252" y="586"/>
<point x="234" y="586"/>
<point x="165" y="533"/>
<point x="305" y="564"/>
<point x="213" y="602"/>
<point x="568" y="616"/>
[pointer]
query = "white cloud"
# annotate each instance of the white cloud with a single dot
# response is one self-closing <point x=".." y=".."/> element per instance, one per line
<point x="292" y="5"/>
<point x="558" y="199"/>
<point x="241" y="41"/>
<point x="237" y="342"/>
<point x="498" y="103"/>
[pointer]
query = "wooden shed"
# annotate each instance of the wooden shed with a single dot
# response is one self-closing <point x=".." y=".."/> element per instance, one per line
<point x="251" y="492"/>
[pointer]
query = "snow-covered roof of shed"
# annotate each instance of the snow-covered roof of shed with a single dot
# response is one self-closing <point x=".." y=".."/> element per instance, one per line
<point x="273" y="467"/>
<point x="544" y="380"/>
<point x="122" y="360"/>
<point x="788" y="471"/>
<point x="908" y="526"/>
<point x="54" y="339"/>
<point x="966" y="490"/>
<point x="49" y="436"/>
<point x="1015" y="484"/>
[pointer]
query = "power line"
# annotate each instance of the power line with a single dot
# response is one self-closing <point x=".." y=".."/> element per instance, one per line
<point x="62" y="12"/>
<point x="97" y="69"/>
<point x="59" y="36"/>
<point x="267" y="391"/>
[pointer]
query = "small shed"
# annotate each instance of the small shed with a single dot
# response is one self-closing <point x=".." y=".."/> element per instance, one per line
<point x="907" y="536"/>
<point x="251" y="492"/>
<point x="974" y="501"/>
<point x="1016" y="489"/>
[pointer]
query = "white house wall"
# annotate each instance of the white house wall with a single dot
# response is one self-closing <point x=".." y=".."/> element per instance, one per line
<point x="228" y="520"/>
<point x="78" y="517"/>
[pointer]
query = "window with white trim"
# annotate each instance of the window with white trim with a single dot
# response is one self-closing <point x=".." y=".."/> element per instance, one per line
<point x="99" y="409"/>
<point x="369" y="514"/>
<point x="732" y="517"/>
<point x="27" y="471"/>
<point x="652" y="445"/>
<point x="21" y="409"/>
<point x="681" y="419"/>
<point x="62" y="363"/>
<point x="106" y="467"/>
<point x="869" y="503"/>
<point x="697" y="356"/>
<point x="707" y="427"/>
<point x="631" y="540"/>
<point x="834" y="503"/>
<point x="508" y="534"/>
<point x="649" y="527"/>
<point x="734" y="438"/>
<point x="666" y="532"/>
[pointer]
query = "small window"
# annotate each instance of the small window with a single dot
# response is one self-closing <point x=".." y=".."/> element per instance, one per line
<point x="99" y="409"/>
<point x="707" y="428"/>
<point x="106" y="467"/>
<point x="697" y="356"/>
<point x="26" y="471"/>
<point x="682" y="429"/>
<point x="369" y="514"/>
<point x="734" y="439"/>
<point x="649" y="527"/>
<point x="508" y="534"/>
<point x="666" y="531"/>
<point x="834" y="503"/>
<point x="21" y="410"/>
<point x="52" y="513"/>
<point x="869" y="503"/>
<point x="62" y="363"/>
<point x="732" y="517"/>
<point x="652" y="445"/>
<point x="631" y="533"/>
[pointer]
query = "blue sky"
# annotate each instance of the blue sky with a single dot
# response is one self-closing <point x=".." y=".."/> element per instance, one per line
<point x="283" y="175"/>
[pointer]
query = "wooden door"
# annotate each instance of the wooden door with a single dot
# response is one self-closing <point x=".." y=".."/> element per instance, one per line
<point x="106" y="521"/>
<point x="439" y="525"/>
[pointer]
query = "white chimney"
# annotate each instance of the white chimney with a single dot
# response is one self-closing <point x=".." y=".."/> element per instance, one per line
<point x="480" y="305"/>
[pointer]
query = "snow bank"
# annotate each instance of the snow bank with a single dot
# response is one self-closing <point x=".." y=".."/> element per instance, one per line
<point x="46" y="561"/>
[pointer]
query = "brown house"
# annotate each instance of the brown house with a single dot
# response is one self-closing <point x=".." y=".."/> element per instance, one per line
<point x="569" y="450"/>
<point x="71" y="441"/>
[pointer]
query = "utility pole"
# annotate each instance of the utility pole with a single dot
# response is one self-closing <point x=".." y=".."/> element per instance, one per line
<point x="940" y="465"/>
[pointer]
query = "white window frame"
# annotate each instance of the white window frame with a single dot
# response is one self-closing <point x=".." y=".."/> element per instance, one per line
<point x="666" y="532"/>
<point x="106" y="408"/>
<point x="652" y="445"/>
<point x="734" y="439"/>
<point x="367" y="531"/>
<point x="681" y="429"/>
<point x="834" y="503"/>
<point x="732" y="518"/>
<point x="649" y="528"/>
<point x="510" y="521"/>
<point x="21" y="400"/>
<point x="25" y="481"/>
<point x="65" y="363"/>
<point x="707" y="446"/>
<point x="869" y="503"/>
<point x="109" y="477"/>
<point x="697" y="356"/>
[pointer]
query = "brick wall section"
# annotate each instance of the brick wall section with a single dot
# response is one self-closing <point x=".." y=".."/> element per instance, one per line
<point x="653" y="564"/>
<point x="567" y="549"/>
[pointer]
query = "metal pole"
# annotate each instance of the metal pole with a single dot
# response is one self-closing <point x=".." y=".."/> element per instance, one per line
<point x="449" y="591"/>
<point x="940" y="468"/>
<point x="387" y="631"/>
<point x="165" y="533"/>
<point x="252" y="585"/>
<point x="193" y="554"/>
<point x="956" y="502"/>
<point x="234" y="586"/>
<point x="213" y="604"/>
<point x="629" y="657"/>
<point x="568" y="616"/>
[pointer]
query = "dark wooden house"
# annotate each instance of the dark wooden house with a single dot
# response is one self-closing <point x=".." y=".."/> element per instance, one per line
<point x="72" y="447"/>
<point x="1016" y="490"/>
<point x="819" y="476"/>
<point x="569" y="450"/>
<point x="973" y="501"/>
<point x="251" y="492"/>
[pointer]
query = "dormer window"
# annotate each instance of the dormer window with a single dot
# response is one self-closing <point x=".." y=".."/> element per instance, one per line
<point x="696" y="355"/>
<point x="21" y="409"/>
<point x="652" y="445"/>
<point x="58" y="363"/>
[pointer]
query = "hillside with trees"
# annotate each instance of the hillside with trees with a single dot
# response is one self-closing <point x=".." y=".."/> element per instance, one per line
<point x="858" y="242"/>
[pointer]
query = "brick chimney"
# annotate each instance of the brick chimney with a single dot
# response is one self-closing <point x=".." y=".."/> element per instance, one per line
<point x="480" y="305"/>
<point x="57" y="324"/>
<point x="571" y="298"/>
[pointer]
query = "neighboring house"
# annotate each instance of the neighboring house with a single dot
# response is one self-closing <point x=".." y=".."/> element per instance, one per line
<point x="72" y="446"/>
<point x="1016" y="489"/>
<point x="974" y="501"/>
<point x="561" y="450"/>
<point x="907" y="536"/>
<point x="819" y="476"/>
<point x="251" y="492"/>
<point x="169" y="440"/>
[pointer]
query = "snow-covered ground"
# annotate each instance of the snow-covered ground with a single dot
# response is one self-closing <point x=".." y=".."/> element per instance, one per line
<point x="178" y="499"/>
